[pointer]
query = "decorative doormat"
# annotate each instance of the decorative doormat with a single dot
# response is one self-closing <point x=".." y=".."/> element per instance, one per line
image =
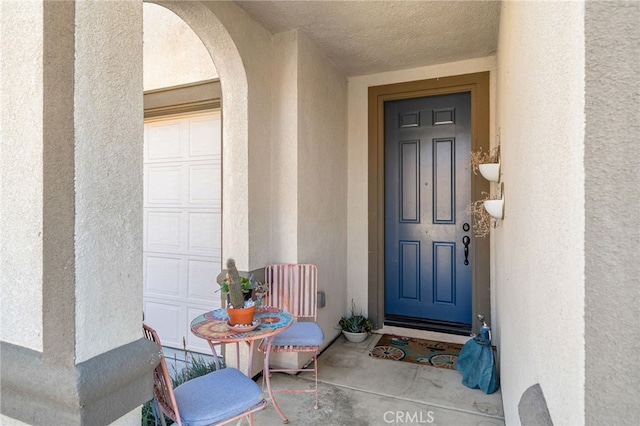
<point x="419" y="351"/>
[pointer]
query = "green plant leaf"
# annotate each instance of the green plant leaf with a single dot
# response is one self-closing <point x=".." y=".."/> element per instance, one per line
<point x="355" y="322"/>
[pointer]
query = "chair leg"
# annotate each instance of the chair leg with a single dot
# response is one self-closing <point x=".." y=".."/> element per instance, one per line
<point x="265" y="370"/>
<point x="267" y="376"/>
<point x="315" y="373"/>
<point x="157" y="413"/>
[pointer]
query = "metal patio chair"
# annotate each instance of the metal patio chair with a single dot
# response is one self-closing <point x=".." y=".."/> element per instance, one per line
<point x="216" y="398"/>
<point x="294" y="288"/>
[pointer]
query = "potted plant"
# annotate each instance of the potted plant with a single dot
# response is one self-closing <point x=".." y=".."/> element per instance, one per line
<point x="483" y="221"/>
<point x="240" y="310"/>
<point x="355" y="327"/>
<point x="487" y="163"/>
<point x="246" y="284"/>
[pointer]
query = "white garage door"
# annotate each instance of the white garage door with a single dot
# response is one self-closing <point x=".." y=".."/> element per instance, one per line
<point x="182" y="224"/>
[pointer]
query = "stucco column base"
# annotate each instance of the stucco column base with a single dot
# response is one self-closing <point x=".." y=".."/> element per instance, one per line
<point x="95" y="392"/>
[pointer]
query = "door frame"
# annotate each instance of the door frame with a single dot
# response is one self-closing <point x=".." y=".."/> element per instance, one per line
<point x="190" y="97"/>
<point x="478" y="85"/>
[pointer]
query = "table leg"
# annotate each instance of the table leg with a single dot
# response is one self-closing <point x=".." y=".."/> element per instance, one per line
<point x="212" y="345"/>
<point x="250" y="343"/>
<point x="267" y="376"/>
<point x="238" y="355"/>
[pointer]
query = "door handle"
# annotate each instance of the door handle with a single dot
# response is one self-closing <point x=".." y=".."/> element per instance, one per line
<point x="466" y="240"/>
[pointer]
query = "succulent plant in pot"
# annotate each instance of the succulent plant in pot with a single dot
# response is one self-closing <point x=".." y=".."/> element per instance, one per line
<point x="355" y="327"/>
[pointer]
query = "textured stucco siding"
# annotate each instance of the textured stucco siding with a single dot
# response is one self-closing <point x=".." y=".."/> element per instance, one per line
<point x="173" y="53"/>
<point x="254" y="43"/>
<point x="108" y="174"/>
<point x="284" y="149"/>
<point x="539" y="246"/>
<point x="612" y="204"/>
<point x="247" y="208"/>
<point x="21" y="185"/>
<point x="322" y="176"/>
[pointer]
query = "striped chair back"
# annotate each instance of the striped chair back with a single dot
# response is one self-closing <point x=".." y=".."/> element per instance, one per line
<point x="294" y="288"/>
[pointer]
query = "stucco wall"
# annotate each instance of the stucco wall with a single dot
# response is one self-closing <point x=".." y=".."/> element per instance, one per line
<point x="108" y="175"/>
<point x="283" y="161"/>
<point x="357" y="238"/>
<point x="309" y="167"/>
<point x="322" y="173"/>
<point x="21" y="191"/>
<point x="539" y="246"/>
<point x="173" y="53"/>
<point x="8" y="421"/>
<point x="254" y="43"/>
<point x="612" y="203"/>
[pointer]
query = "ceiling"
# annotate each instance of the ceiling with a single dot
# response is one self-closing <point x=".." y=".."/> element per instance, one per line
<point x="367" y="37"/>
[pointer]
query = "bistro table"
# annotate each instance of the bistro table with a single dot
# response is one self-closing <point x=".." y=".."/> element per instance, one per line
<point x="212" y="326"/>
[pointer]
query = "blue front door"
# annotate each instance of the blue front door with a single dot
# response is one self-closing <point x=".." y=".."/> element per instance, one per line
<point x="427" y="222"/>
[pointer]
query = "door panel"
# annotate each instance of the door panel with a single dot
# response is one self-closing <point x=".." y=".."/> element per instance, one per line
<point x="427" y="191"/>
<point x="410" y="269"/>
<point x="443" y="181"/>
<point x="444" y="290"/>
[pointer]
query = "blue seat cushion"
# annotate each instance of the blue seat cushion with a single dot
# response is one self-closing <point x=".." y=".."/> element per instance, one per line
<point x="215" y="397"/>
<point x="300" y="334"/>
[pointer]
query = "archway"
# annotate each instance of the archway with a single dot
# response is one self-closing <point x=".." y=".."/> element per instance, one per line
<point x="182" y="209"/>
<point x="235" y="127"/>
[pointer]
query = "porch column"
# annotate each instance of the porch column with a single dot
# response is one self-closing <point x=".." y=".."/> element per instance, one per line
<point x="71" y="246"/>
<point x="612" y="201"/>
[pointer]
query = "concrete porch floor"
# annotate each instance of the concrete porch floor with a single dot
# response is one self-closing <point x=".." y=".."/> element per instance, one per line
<point x="356" y="389"/>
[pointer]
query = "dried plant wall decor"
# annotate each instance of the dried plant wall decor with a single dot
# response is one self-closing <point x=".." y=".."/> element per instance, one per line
<point x="481" y="157"/>
<point x="483" y="222"/>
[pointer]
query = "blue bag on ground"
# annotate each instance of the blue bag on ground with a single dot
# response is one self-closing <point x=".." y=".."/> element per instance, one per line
<point x="476" y="363"/>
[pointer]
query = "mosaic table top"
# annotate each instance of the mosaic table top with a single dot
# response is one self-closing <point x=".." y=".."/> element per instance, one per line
<point x="212" y="325"/>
